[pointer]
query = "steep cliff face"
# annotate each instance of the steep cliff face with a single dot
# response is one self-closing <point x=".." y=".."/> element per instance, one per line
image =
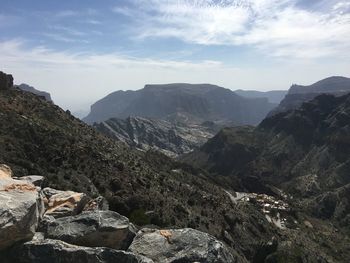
<point x="181" y="102"/>
<point x="298" y="94"/>
<point x="166" y="137"/>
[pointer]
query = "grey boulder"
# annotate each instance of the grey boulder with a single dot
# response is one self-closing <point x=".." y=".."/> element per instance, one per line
<point x="56" y="251"/>
<point x="63" y="203"/>
<point x="181" y="245"/>
<point x="37" y="180"/>
<point x="92" y="229"/>
<point x="20" y="205"/>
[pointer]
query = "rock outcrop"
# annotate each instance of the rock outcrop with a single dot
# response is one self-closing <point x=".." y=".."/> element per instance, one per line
<point x="6" y="81"/>
<point x="5" y="172"/>
<point x="93" y="229"/>
<point x="36" y="180"/>
<point x="63" y="203"/>
<point x="181" y="245"/>
<point x="20" y="209"/>
<point x="56" y="251"/>
<point x="89" y="236"/>
<point x="164" y="136"/>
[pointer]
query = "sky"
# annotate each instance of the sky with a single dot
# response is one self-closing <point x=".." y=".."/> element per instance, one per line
<point x="82" y="50"/>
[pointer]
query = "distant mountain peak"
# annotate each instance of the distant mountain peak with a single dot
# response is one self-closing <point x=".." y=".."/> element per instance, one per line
<point x="299" y="94"/>
<point x="190" y="103"/>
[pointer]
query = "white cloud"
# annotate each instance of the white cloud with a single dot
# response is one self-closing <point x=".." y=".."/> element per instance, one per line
<point x="66" y="13"/>
<point x="277" y="27"/>
<point x="75" y="80"/>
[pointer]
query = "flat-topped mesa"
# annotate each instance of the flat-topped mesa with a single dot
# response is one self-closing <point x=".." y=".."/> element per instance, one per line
<point x="6" y="81"/>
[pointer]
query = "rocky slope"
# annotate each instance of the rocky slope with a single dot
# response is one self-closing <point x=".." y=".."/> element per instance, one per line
<point x="37" y="137"/>
<point x="41" y="225"/>
<point x="31" y="89"/>
<point x="181" y="102"/>
<point x="166" y="137"/>
<point x="303" y="153"/>
<point x="273" y="96"/>
<point x="298" y="94"/>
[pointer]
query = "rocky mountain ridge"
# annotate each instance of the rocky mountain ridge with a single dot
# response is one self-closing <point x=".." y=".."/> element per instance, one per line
<point x="298" y="94"/>
<point x="26" y="87"/>
<point x="187" y="103"/>
<point x="304" y="152"/>
<point x="169" y="138"/>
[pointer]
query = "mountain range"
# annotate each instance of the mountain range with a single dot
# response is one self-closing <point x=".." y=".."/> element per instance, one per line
<point x="278" y="192"/>
<point x="187" y="103"/>
<point x="303" y="152"/>
<point x="298" y="94"/>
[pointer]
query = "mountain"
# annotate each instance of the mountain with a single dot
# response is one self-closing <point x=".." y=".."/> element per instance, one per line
<point x="28" y="88"/>
<point x="37" y="137"/>
<point x="189" y="103"/>
<point x="298" y="94"/>
<point x="166" y="137"/>
<point x="273" y="96"/>
<point x="304" y="152"/>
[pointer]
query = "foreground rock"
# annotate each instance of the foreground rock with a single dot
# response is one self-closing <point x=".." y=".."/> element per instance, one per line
<point x="93" y="229"/>
<point x="36" y="180"/>
<point x="56" y="251"/>
<point x="181" y="245"/>
<point x="20" y="206"/>
<point x="63" y="203"/>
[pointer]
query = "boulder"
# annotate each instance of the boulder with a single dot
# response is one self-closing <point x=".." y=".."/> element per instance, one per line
<point x="92" y="229"/>
<point x="19" y="210"/>
<point x="37" y="180"/>
<point x="99" y="203"/>
<point x="56" y="251"/>
<point x="5" y="172"/>
<point x="6" y="81"/>
<point x="63" y="203"/>
<point x="181" y="245"/>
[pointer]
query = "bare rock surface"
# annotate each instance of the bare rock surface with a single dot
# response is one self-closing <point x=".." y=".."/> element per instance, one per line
<point x="93" y="229"/>
<point x="20" y="204"/>
<point x="63" y="203"/>
<point x="181" y="245"/>
<point x="36" y="180"/>
<point x="56" y="251"/>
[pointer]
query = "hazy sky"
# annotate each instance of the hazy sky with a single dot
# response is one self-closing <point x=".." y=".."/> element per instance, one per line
<point x="81" y="50"/>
